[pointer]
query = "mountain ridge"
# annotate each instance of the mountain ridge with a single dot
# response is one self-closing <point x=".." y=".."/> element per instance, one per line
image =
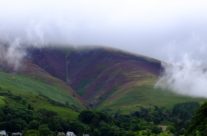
<point x="99" y="78"/>
<point x="90" y="65"/>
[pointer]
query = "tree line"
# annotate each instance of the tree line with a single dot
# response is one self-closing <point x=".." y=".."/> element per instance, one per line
<point x="143" y="122"/>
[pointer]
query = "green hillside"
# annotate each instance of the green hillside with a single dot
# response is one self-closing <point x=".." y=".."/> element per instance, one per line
<point x="132" y="96"/>
<point x="2" y="101"/>
<point x="41" y="95"/>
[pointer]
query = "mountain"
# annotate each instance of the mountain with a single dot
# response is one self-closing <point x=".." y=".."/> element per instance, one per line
<point x="107" y="79"/>
<point x="55" y="87"/>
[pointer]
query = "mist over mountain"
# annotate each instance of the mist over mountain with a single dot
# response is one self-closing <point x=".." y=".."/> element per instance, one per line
<point x="103" y="67"/>
<point x="165" y="30"/>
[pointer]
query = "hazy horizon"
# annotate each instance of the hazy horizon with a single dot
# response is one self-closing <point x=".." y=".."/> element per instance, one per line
<point x="154" y="28"/>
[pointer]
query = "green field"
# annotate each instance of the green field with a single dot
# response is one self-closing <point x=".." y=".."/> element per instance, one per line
<point x="40" y="95"/>
<point x="19" y="84"/>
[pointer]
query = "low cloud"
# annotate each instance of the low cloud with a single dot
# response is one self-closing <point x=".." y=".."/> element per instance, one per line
<point x="185" y="67"/>
<point x="187" y="76"/>
<point x="12" y="54"/>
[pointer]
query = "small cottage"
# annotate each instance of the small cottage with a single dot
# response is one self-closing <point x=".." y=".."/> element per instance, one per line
<point x="70" y="134"/>
<point x="3" y="133"/>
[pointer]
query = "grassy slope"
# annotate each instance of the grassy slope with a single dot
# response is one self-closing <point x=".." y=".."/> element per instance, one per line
<point x="134" y="95"/>
<point x="2" y="101"/>
<point x="34" y="90"/>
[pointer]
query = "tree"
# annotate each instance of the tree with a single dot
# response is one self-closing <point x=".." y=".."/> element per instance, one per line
<point x="31" y="132"/>
<point x="44" y="130"/>
<point x="34" y="124"/>
<point x="198" y="125"/>
<point x="86" y="116"/>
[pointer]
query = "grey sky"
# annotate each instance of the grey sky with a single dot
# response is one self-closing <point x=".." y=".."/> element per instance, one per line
<point x="156" y="28"/>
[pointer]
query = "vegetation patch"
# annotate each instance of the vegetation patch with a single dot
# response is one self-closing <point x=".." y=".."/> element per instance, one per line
<point x="23" y="85"/>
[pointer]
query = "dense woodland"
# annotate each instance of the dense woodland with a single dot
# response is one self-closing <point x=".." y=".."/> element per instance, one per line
<point x="198" y="125"/>
<point x="152" y="121"/>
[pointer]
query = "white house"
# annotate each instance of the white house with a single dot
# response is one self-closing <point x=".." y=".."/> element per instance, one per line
<point x="3" y="133"/>
<point x="70" y="134"/>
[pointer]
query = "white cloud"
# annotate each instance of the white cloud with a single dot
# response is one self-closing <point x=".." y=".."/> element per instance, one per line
<point x="187" y="77"/>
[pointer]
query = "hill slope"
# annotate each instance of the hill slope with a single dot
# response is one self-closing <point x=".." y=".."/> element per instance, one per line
<point x="107" y="78"/>
<point x="39" y="89"/>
